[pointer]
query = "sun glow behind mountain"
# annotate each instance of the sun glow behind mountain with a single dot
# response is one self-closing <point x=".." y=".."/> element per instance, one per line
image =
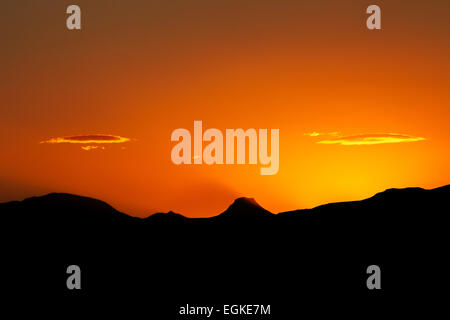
<point x="375" y="105"/>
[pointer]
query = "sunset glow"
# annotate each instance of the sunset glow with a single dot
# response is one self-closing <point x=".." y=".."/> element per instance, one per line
<point x="374" y="104"/>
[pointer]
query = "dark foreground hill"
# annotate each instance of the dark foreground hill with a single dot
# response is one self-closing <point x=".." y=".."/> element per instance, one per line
<point x="245" y="253"/>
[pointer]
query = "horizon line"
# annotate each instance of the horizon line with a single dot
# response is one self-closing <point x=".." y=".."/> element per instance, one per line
<point x="180" y="214"/>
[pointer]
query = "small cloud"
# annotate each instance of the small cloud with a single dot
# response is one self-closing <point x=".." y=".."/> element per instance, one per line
<point x="88" y="139"/>
<point x="312" y="134"/>
<point x="87" y="148"/>
<point x="371" y="139"/>
<point x="316" y="134"/>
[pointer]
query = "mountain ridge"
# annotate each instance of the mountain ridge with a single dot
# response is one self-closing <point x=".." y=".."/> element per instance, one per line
<point x="396" y="229"/>
<point x="241" y="207"/>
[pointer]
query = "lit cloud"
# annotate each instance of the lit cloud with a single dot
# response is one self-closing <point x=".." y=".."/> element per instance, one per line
<point x="87" y="148"/>
<point x="371" y="139"/>
<point x="316" y="134"/>
<point x="88" y="139"/>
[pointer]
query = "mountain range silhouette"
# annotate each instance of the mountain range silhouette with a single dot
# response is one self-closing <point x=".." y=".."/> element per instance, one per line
<point x="245" y="251"/>
<point x="406" y="202"/>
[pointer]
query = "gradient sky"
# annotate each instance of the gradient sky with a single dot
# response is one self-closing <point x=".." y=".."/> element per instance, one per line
<point x="140" y="69"/>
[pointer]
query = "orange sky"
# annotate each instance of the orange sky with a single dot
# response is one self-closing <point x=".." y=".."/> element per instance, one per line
<point x="141" y="69"/>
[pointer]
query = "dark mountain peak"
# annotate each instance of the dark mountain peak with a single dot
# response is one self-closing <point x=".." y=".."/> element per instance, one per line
<point x="245" y="201"/>
<point x="411" y="191"/>
<point x="396" y="191"/>
<point x="245" y="207"/>
<point x="67" y="201"/>
<point x="408" y="195"/>
<point x="442" y="189"/>
<point x="166" y="216"/>
<point x="55" y="206"/>
<point x="401" y="202"/>
<point x="56" y="197"/>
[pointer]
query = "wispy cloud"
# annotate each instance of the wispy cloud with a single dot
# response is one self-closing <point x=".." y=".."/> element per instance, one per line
<point x="371" y="139"/>
<point x="316" y="134"/>
<point x="87" y="148"/>
<point x="88" y="139"/>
